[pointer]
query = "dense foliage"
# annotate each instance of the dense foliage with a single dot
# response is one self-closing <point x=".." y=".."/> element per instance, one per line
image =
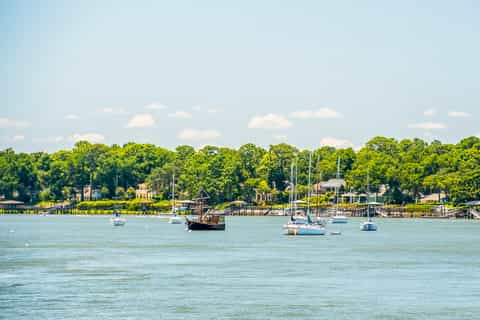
<point x="406" y="167"/>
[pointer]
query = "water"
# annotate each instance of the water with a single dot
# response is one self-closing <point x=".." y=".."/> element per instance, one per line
<point x="79" y="267"/>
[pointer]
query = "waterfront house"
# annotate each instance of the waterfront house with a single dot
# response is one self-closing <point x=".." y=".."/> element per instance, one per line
<point x="89" y="194"/>
<point x="329" y="186"/>
<point x="433" y="197"/>
<point x="11" y="204"/>
<point x="143" y="191"/>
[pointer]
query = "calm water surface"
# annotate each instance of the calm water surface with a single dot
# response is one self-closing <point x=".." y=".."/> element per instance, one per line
<point x="79" y="267"/>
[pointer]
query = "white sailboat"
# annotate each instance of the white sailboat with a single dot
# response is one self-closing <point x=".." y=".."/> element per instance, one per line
<point x="307" y="228"/>
<point x="116" y="220"/>
<point x="174" y="219"/>
<point x="369" y="225"/>
<point x="337" y="218"/>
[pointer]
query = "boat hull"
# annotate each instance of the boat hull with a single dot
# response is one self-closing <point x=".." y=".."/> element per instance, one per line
<point x="339" y="219"/>
<point x="304" y="230"/>
<point x="368" y="226"/>
<point x="118" y="222"/>
<point x="200" y="226"/>
<point x="175" y="220"/>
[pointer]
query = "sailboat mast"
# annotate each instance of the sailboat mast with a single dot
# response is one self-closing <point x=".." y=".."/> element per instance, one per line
<point x="295" y="193"/>
<point x="336" y="186"/>
<point x="309" y="182"/>
<point x="173" y="194"/>
<point x="368" y="192"/>
<point x="290" y="196"/>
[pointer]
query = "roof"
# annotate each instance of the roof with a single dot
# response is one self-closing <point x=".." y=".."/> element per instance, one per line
<point x="238" y="202"/>
<point x="11" y="202"/>
<point x="333" y="183"/>
<point x="472" y="203"/>
<point x="434" y="196"/>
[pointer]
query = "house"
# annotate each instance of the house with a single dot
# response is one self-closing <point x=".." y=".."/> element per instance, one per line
<point x="263" y="196"/>
<point x="11" y="204"/>
<point x="434" y="197"/>
<point x="328" y="186"/>
<point x="144" y="192"/>
<point x="96" y="194"/>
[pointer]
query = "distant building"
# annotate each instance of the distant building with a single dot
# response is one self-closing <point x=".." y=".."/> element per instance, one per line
<point x="96" y="194"/>
<point x="144" y="192"/>
<point x="434" y="197"/>
<point x="330" y="185"/>
<point x="263" y="196"/>
<point x="11" y="204"/>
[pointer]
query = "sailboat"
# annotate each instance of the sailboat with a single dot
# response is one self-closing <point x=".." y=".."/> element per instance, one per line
<point x="294" y="227"/>
<point x="116" y="220"/>
<point x="174" y="219"/>
<point x="369" y="225"/>
<point x="336" y="218"/>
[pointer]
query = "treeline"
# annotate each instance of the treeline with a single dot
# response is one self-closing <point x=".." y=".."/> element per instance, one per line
<point x="407" y="168"/>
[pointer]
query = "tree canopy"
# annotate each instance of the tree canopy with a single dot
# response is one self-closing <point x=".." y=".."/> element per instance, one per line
<point x="407" y="168"/>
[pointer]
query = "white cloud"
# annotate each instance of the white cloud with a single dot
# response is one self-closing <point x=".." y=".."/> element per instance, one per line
<point x="141" y="121"/>
<point x="458" y="114"/>
<point x="71" y="116"/>
<point x="113" y="110"/>
<point x="9" y="123"/>
<point x="281" y="137"/>
<point x="155" y="106"/>
<point x="198" y="135"/>
<point x="90" y="137"/>
<point x="427" y="125"/>
<point x="429" y="112"/>
<point x="55" y="139"/>
<point x="180" y="114"/>
<point x="18" y="138"/>
<point x="322" y="113"/>
<point x="336" y="142"/>
<point x="269" y="121"/>
<point x="214" y="110"/>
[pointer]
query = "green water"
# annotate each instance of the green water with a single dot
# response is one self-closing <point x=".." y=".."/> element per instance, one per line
<point x="80" y="267"/>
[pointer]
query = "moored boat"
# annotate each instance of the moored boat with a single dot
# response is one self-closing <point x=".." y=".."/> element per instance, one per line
<point x="205" y="221"/>
<point x="116" y="220"/>
<point x="174" y="219"/>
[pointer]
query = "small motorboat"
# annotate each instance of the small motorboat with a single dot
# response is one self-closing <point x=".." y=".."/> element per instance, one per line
<point x="339" y="219"/>
<point x="175" y="220"/>
<point x="116" y="220"/>
<point x="368" y="226"/>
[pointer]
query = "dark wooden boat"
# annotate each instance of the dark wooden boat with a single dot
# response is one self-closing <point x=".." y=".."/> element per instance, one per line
<point x="213" y="223"/>
<point x="205" y="221"/>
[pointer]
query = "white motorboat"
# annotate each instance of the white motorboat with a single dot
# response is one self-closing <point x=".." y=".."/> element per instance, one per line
<point x="117" y="221"/>
<point x="368" y="226"/>
<point x="339" y="219"/>
<point x="175" y="220"/>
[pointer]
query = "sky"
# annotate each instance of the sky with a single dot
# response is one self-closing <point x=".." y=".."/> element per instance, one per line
<point x="226" y="73"/>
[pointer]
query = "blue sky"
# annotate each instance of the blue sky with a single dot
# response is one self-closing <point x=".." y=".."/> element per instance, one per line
<point x="309" y="73"/>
